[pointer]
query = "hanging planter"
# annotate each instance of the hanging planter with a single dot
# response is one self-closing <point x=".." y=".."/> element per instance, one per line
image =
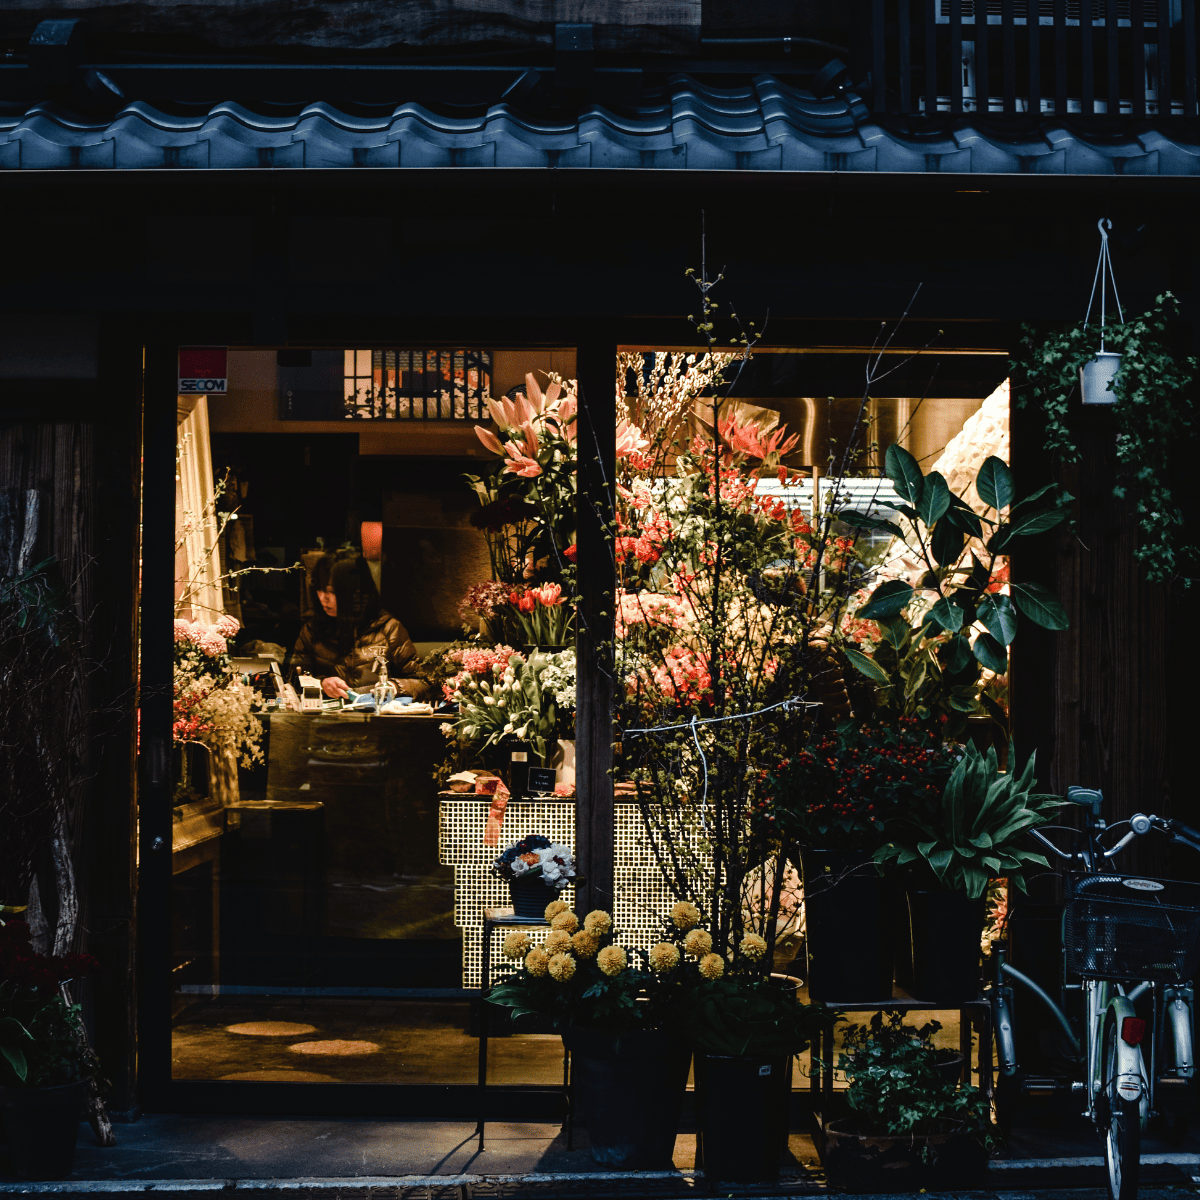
<point x="1096" y="377"/>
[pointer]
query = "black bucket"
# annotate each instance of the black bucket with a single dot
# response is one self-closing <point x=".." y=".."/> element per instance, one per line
<point x="41" y="1126"/>
<point x="743" y="1108"/>
<point x="530" y="896"/>
<point x="628" y="1091"/>
<point x="848" y="931"/>
<point x="945" y="929"/>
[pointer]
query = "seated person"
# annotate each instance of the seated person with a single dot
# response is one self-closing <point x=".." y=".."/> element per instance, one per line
<point x="350" y="630"/>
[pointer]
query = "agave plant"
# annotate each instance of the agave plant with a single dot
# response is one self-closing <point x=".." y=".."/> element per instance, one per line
<point x="974" y="835"/>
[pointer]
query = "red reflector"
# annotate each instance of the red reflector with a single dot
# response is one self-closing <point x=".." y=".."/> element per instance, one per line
<point x="1133" y="1029"/>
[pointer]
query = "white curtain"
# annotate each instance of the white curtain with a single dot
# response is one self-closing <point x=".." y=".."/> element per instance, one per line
<point x="197" y="559"/>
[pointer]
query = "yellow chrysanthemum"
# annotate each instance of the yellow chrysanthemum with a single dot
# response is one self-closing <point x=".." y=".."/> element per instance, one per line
<point x="585" y="943"/>
<point x="536" y="961"/>
<point x="597" y="921"/>
<point x="554" y="908"/>
<point x="565" y="920"/>
<point x="752" y="947"/>
<point x="562" y="967"/>
<point x="712" y="966"/>
<point x="664" y="956"/>
<point x="611" y="960"/>
<point x="557" y="940"/>
<point x="685" y="915"/>
<point x="516" y="944"/>
<point x="698" y="943"/>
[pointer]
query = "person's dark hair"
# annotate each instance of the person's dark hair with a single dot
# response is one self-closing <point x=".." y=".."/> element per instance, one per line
<point x="358" y="602"/>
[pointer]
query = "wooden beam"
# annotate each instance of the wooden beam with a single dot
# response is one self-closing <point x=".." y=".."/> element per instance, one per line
<point x="595" y="368"/>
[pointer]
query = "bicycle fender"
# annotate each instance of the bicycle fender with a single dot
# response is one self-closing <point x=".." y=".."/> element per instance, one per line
<point x="1178" y="1013"/>
<point x="1130" y="1071"/>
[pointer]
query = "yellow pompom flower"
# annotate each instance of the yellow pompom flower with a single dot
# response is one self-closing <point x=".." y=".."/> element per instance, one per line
<point x="611" y="960"/>
<point x="565" y="920"/>
<point x="597" y="921"/>
<point x="562" y="967"/>
<point x="664" y="956"/>
<point x="557" y="940"/>
<point x="585" y="943"/>
<point x="685" y="915"/>
<point x="516" y="944"/>
<point x="554" y="908"/>
<point x="536" y="961"/>
<point x="752" y="947"/>
<point x="698" y="943"/>
<point x="712" y="966"/>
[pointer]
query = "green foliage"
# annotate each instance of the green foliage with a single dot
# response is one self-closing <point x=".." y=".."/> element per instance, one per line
<point x="41" y="1042"/>
<point x="929" y="669"/>
<point x="746" y="1016"/>
<point x="1153" y="405"/>
<point x="974" y="833"/>
<point x="589" y="1000"/>
<point x="897" y="1086"/>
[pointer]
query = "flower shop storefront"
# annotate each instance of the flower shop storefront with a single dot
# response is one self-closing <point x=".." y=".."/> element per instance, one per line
<point x="375" y="676"/>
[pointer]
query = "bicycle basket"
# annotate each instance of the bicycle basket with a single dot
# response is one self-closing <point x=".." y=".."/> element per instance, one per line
<point x="1128" y="927"/>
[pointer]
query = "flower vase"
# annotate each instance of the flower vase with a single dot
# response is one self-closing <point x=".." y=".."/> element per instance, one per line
<point x="530" y="896"/>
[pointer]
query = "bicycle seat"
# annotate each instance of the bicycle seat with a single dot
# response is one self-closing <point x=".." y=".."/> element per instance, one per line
<point x="1091" y="798"/>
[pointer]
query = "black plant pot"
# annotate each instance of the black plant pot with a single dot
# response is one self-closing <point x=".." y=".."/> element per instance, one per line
<point x="530" y="896"/>
<point x="628" y="1092"/>
<point x="743" y="1106"/>
<point x="847" y="927"/>
<point x="945" y="928"/>
<point x="908" y="1163"/>
<point x="41" y="1126"/>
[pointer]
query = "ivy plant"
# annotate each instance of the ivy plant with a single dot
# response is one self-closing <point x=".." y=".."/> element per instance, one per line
<point x="929" y="667"/>
<point x="1153" y="408"/>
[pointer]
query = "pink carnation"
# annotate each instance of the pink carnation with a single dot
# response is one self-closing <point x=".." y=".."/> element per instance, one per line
<point x="226" y="626"/>
<point x="183" y="631"/>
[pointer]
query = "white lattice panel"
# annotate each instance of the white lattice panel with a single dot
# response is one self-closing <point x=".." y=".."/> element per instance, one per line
<point x="642" y="895"/>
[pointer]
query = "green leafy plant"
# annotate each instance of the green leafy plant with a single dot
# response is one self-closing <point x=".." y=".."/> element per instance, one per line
<point x="1152" y="405"/>
<point x="930" y="667"/>
<point x="974" y="834"/>
<point x="897" y="1085"/>
<point x="747" y="1017"/>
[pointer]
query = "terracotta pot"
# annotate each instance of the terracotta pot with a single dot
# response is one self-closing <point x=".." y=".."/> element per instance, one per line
<point x="859" y="1162"/>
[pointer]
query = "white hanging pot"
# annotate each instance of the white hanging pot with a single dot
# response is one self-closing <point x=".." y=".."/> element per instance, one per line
<point x="1096" y="378"/>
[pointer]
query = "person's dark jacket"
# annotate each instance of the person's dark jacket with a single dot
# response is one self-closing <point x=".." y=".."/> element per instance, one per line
<point x="317" y="653"/>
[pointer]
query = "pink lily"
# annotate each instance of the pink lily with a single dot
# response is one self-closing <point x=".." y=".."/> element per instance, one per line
<point x="489" y="439"/>
<point x="629" y="439"/>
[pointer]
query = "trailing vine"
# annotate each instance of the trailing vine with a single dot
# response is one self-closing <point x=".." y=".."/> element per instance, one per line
<point x="1153" y="407"/>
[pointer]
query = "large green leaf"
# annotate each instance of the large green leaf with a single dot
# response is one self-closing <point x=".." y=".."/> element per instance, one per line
<point x="867" y="666"/>
<point x="935" y="498"/>
<point x="999" y="617"/>
<point x="1040" y="605"/>
<point x="1036" y="520"/>
<point x="904" y="471"/>
<point x="947" y="542"/>
<point x="887" y="600"/>
<point x="994" y="483"/>
<point x="948" y="615"/>
<point x="862" y="520"/>
<point x="966" y="520"/>
<point x="991" y="653"/>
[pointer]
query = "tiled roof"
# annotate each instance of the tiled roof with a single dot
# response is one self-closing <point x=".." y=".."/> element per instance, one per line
<point x="765" y="126"/>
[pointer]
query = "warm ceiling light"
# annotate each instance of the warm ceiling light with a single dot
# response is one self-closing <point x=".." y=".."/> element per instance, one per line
<point x="336" y="1047"/>
<point x="271" y="1029"/>
<point x="372" y="540"/>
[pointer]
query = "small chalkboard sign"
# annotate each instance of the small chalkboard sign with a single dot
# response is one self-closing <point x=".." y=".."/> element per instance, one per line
<point x="541" y="779"/>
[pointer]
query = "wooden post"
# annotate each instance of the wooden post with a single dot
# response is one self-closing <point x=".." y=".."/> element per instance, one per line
<point x="595" y="370"/>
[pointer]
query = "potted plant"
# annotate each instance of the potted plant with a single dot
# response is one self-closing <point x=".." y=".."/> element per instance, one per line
<point x="45" y="1060"/>
<point x="911" y="1126"/>
<point x="536" y="870"/>
<point x="953" y="849"/>
<point x="835" y="799"/>
<point x="617" y="1013"/>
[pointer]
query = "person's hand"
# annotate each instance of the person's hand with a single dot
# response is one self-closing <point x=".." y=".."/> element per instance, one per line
<point x="335" y="687"/>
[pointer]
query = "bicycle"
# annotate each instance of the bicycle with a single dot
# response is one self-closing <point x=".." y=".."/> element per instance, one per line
<point x="1125" y="938"/>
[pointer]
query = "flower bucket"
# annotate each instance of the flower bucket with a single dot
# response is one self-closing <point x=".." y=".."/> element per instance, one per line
<point x="844" y="892"/>
<point x="1096" y="377"/>
<point x="743" y="1106"/>
<point x="628" y="1092"/>
<point x="858" y="1162"/>
<point x="530" y="896"/>
<point x="41" y="1126"/>
<point x="945" y="928"/>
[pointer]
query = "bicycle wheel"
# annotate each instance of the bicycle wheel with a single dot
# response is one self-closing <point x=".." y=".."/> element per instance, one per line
<point x="1120" y="1123"/>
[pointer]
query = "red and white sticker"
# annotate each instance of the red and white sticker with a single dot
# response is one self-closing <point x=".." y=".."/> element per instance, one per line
<point x="203" y="370"/>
